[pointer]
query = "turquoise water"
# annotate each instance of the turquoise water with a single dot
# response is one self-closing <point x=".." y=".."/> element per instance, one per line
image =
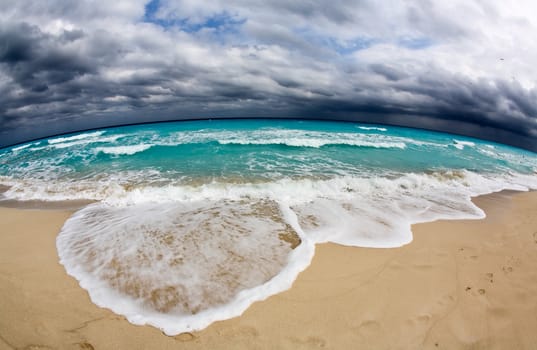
<point x="253" y="150"/>
<point x="194" y="221"/>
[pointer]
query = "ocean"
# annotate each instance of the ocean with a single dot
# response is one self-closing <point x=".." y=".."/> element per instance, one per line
<point x="192" y="222"/>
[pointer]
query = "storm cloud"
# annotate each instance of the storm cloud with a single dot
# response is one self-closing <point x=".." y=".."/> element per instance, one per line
<point x="458" y="66"/>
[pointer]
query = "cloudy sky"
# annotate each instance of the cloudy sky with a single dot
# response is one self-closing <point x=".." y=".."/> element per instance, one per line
<point x="463" y="66"/>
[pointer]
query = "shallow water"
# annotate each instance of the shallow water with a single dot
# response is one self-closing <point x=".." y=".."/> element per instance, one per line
<point x="194" y="221"/>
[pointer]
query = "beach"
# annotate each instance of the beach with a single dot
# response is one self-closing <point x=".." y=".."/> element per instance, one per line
<point x="459" y="284"/>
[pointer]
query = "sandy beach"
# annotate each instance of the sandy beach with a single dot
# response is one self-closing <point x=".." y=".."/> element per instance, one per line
<point x="468" y="284"/>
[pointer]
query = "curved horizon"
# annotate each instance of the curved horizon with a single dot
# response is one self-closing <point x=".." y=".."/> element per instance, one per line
<point x="528" y="145"/>
<point x="459" y="67"/>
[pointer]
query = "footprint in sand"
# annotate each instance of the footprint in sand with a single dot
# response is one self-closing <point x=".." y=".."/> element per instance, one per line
<point x="369" y="328"/>
<point x="310" y="342"/>
<point x="513" y="260"/>
<point x="481" y="291"/>
<point x="507" y="269"/>
<point x="316" y="341"/>
<point x="85" y="346"/>
<point x="244" y="331"/>
<point x="490" y="277"/>
<point x="36" y="347"/>
<point x="470" y="257"/>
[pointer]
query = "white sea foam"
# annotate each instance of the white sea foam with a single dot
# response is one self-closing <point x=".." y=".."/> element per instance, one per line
<point x="181" y="266"/>
<point x="294" y="192"/>
<point x="372" y="128"/>
<point x="136" y="233"/>
<point x="488" y="151"/>
<point x="292" y="138"/>
<point x="267" y="136"/>
<point x="461" y="144"/>
<point x="307" y="142"/>
<point x="75" y="137"/>
<point x="86" y="141"/>
<point x="20" y="148"/>
<point x="123" y="150"/>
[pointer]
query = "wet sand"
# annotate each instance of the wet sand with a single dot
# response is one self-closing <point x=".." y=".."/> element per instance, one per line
<point x="469" y="284"/>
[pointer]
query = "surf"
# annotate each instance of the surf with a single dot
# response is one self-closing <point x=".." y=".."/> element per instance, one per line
<point x="192" y="222"/>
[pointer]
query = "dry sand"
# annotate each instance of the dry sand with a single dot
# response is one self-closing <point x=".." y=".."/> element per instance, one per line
<point x="458" y="285"/>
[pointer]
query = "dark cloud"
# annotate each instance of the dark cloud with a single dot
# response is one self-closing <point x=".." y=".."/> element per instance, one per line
<point x="36" y="64"/>
<point x="71" y="65"/>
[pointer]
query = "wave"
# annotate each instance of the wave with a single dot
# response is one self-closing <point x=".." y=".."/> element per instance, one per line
<point x="372" y="128"/>
<point x="146" y="260"/>
<point x="314" y="143"/>
<point x="75" y="137"/>
<point x="292" y="138"/>
<point x="20" y="148"/>
<point x="461" y="144"/>
<point x="269" y="136"/>
<point x="181" y="267"/>
<point x="85" y="141"/>
<point x="295" y="191"/>
<point x="123" y="150"/>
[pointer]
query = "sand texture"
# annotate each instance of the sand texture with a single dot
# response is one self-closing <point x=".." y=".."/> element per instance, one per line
<point x="458" y="285"/>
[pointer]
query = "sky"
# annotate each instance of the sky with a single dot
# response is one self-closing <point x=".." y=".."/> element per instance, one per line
<point x="466" y="67"/>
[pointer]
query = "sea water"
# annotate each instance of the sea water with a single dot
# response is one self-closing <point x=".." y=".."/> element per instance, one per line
<point x="192" y="222"/>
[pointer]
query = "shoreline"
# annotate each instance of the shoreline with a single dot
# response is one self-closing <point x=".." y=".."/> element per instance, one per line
<point x="68" y="205"/>
<point x="415" y="296"/>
